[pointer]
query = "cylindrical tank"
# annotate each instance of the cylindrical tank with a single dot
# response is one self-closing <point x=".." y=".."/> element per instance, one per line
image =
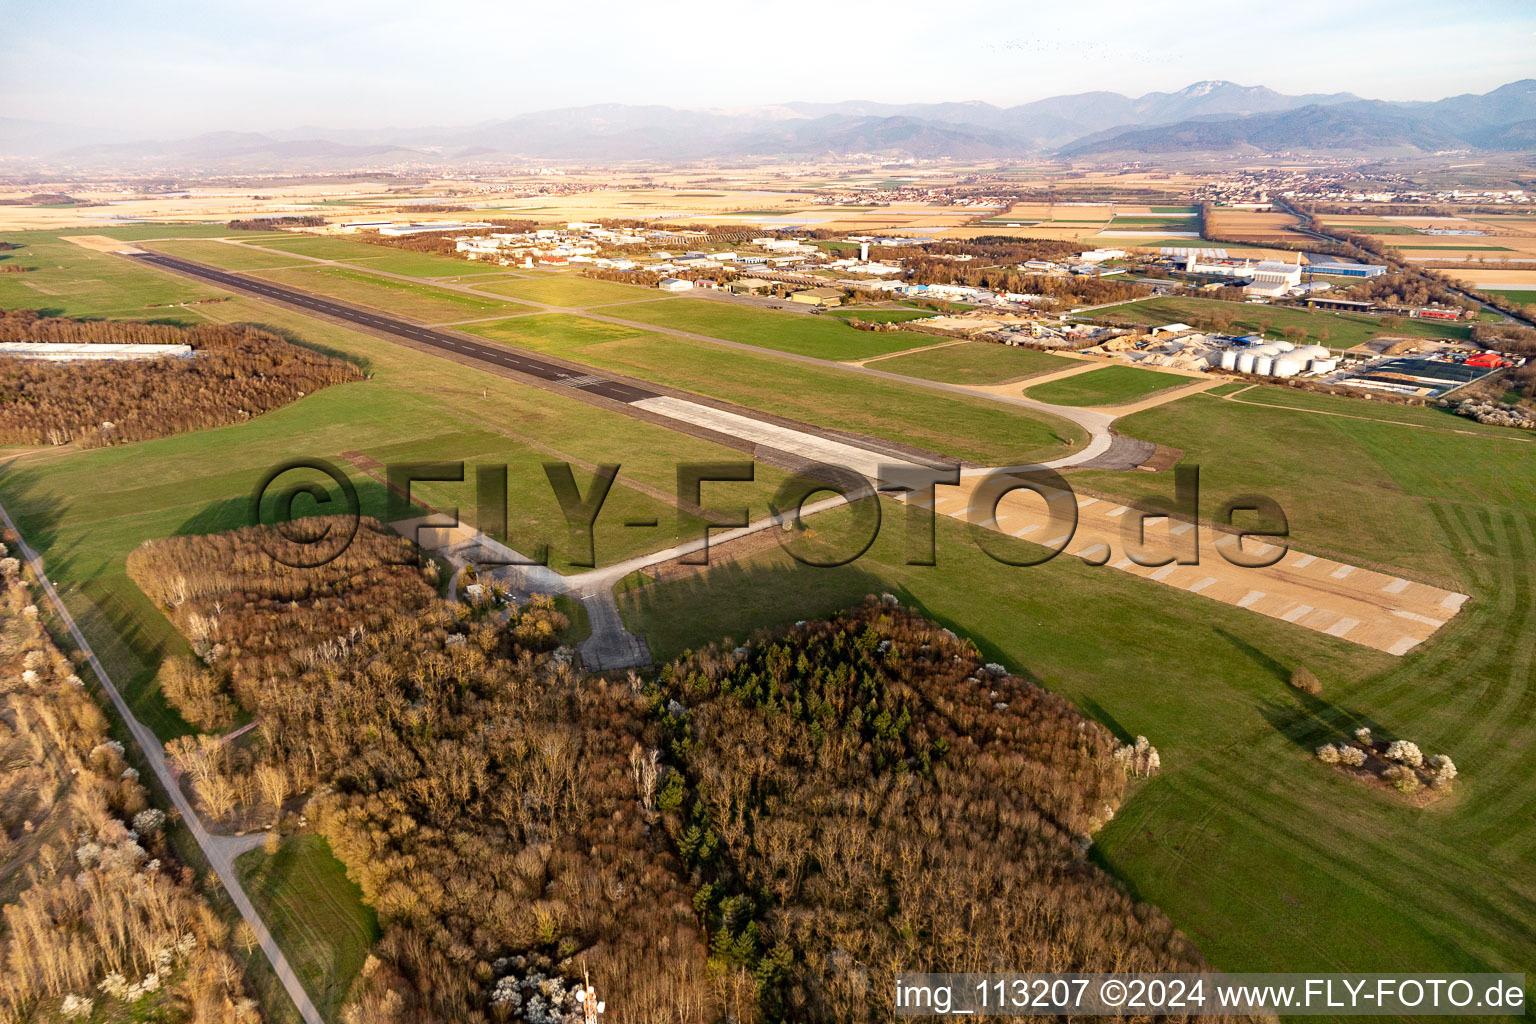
<point x="1229" y="359"/>
<point x="1323" y="365"/>
<point x="1311" y="352"/>
<point x="1263" y="365"/>
<point x="1245" y="363"/>
<point x="1287" y="366"/>
<point x="1282" y="346"/>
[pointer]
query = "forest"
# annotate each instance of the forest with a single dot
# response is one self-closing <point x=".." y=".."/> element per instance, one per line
<point x="760" y="833"/>
<point x="100" y="914"/>
<point x="236" y="372"/>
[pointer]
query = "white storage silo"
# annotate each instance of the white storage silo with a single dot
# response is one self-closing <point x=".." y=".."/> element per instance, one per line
<point x="1229" y="359"/>
<point x="1288" y="366"/>
<point x="1282" y="346"/>
<point x="1323" y="365"/>
<point x="1245" y="363"/>
<point x="1263" y="365"/>
<point x="1311" y="352"/>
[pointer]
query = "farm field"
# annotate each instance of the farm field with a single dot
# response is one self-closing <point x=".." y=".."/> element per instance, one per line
<point x="1112" y="385"/>
<point x="315" y="913"/>
<point x="1344" y="330"/>
<point x="800" y="333"/>
<point x="1243" y="824"/>
<point x="973" y="429"/>
<point x="972" y="362"/>
<point x="1252" y="225"/>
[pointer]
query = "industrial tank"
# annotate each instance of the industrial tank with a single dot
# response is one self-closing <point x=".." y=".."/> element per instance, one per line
<point x="1288" y="366"/>
<point x="1263" y="365"/>
<point x="1245" y="363"/>
<point x="1229" y="359"/>
<point x="1323" y="365"/>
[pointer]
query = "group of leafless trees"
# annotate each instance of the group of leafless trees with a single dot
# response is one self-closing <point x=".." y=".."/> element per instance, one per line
<point x="97" y="908"/>
<point x="479" y="789"/>
<point x="236" y="372"/>
<point x="311" y="220"/>
<point x="864" y="796"/>
<point x="764" y="832"/>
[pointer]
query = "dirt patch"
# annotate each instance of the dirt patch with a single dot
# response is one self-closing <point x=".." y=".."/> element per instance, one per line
<point x="101" y="243"/>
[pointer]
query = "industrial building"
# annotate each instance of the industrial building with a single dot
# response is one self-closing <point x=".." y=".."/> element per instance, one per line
<point x="1272" y="278"/>
<point x="819" y="296"/>
<point x="1327" y="265"/>
<point x="674" y="284"/>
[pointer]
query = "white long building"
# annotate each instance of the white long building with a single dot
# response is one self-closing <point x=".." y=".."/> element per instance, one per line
<point x="70" y="352"/>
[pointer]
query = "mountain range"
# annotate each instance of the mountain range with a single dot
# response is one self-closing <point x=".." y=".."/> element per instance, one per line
<point x="1206" y="117"/>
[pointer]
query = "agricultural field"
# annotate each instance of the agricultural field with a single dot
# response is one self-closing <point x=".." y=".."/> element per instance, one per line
<point x="1252" y="226"/>
<point x="1242" y="816"/>
<point x="1112" y="385"/>
<point x="805" y="334"/>
<point x="315" y="913"/>
<point x="974" y="429"/>
<point x="1489" y="238"/>
<point x="1335" y="330"/>
<point x="972" y="362"/>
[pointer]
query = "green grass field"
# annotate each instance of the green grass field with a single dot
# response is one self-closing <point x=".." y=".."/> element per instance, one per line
<point x="71" y="280"/>
<point x="375" y="257"/>
<point x="224" y="254"/>
<point x="1524" y="296"/>
<point x="882" y="316"/>
<point x="1337" y="405"/>
<point x="411" y="299"/>
<point x="1243" y="825"/>
<point x="1111" y="385"/>
<point x="824" y="336"/>
<point x="972" y="362"/>
<point x="1345" y="330"/>
<point x="574" y="292"/>
<point x="316" y="914"/>
<point x="975" y="429"/>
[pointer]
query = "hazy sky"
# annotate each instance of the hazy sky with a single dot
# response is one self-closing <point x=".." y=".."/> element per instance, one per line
<point x="177" y="68"/>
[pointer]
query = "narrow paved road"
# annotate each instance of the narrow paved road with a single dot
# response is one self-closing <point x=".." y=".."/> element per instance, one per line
<point x="221" y="851"/>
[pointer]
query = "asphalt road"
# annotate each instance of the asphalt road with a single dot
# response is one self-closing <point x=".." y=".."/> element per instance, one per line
<point x="500" y="355"/>
<point x="221" y="851"/>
